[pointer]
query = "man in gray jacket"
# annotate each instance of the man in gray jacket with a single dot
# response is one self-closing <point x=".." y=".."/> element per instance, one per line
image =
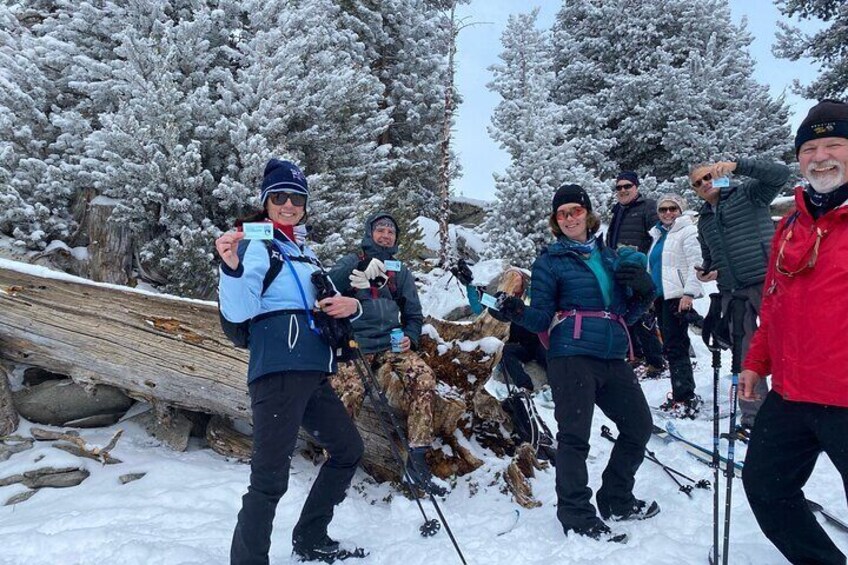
<point x="386" y="290"/>
<point x="735" y="230"/>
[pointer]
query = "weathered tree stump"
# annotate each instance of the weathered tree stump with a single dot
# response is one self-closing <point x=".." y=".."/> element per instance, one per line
<point x="110" y="244"/>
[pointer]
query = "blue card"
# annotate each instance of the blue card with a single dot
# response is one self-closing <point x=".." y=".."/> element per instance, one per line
<point x="392" y="265"/>
<point x="489" y="301"/>
<point x="721" y="182"/>
<point x="258" y="230"/>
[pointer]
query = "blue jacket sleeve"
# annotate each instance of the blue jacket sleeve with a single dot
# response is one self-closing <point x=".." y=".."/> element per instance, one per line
<point x="543" y="299"/>
<point x="240" y="291"/>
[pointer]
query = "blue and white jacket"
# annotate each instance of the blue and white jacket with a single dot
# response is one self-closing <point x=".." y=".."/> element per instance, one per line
<point x="280" y="336"/>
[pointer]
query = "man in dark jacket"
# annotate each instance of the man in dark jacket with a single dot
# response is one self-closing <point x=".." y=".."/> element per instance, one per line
<point x="386" y="290"/>
<point x="632" y="217"/>
<point x="735" y="229"/>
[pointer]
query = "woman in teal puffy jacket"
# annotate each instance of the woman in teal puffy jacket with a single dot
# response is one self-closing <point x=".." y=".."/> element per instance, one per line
<point x="585" y="295"/>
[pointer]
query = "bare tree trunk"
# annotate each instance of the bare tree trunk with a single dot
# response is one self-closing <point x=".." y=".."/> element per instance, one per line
<point x="444" y="167"/>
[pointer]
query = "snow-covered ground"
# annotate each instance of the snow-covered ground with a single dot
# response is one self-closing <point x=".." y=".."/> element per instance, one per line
<point x="184" y="509"/>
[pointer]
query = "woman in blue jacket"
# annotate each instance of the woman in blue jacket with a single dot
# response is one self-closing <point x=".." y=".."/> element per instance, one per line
<point x="287" y="374"/>
<point x="585" y="295"/>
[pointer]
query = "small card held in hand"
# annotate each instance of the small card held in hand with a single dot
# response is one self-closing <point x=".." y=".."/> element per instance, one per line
<point x="258" y="230"/>
<point x="392" y="265"/>
<point x="489" y="301"/>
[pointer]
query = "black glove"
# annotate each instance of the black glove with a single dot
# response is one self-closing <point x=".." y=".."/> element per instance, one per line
<point x="635" y="277"/>
<point x="715" y="332"/>
<point x="509" y="306"/>
<point x="462" y="272"/>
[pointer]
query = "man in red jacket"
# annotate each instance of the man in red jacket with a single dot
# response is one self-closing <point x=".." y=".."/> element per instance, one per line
<point x="801" y="344"/>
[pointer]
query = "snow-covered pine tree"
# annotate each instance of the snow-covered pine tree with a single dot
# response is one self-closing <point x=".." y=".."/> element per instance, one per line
<point x="662" y="84"/>
<point x="312" y="97"/>
<point x="403" y="42"/>
<point x="148" y="153"/>
<point x="526" y="124"/>
<point x="826" y="47"/>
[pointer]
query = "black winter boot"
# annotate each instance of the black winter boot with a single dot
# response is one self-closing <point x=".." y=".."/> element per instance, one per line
<point x="419" y="471"/>
<point x="327" y="550"/>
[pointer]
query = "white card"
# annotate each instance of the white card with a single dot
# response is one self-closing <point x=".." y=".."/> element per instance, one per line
<point x="489" y="301"/>
<point x="258" y="230"/>
<point x="392" y="265"/>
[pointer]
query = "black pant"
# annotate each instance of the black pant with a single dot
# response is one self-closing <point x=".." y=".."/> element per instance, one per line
<point x="785" y="444"/>
<point x="281" y="403"/>
<point x="578" y="384"/>
<point x="645" y="341"/>
<point x="514" y="355"/>
<point x="675" y="332"/>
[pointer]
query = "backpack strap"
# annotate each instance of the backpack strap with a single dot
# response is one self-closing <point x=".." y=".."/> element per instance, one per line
<point x="274" y="269"/>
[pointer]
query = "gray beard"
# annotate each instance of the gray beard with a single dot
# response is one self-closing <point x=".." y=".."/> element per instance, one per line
<point x="824" y="186"/>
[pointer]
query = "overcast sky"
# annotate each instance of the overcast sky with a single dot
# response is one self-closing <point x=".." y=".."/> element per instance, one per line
<point x="479" y="46"/>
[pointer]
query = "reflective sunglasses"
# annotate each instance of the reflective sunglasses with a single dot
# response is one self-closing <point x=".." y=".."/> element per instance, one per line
<point x="575" y="213"/>
<point x="706" y="178"/>
<point x="280" y="198"/>
<point x="626" y="186"/>
<point x="664" y="209"/>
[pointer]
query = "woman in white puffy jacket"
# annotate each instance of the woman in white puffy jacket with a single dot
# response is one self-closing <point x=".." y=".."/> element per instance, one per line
<point x="672" y="259"/>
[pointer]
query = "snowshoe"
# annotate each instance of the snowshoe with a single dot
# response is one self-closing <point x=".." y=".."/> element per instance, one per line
<point x="601" y="532"/>
<point x="683" y="409"/>
<point x="650" y="372"/>
<point x="327" y="551"/>
<point x="640" y="510"/>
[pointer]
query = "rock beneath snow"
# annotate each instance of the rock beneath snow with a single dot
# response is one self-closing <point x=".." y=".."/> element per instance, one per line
<point x="467" y="211"/>
<point x="173" y="430"/>
<point x="20" y="497"/>
<point x="61" y="401"/>
<point x="54" y="478"/>
<point x="130" y="477"/>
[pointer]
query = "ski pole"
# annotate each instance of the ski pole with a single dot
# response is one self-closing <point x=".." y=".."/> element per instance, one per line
<point x="671" y="472"/>
<point x="737" y="314"/>
<point x="378" y="399"/>
<point x="715" y="347"/>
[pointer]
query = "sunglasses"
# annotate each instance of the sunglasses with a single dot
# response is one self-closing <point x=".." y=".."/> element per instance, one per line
<point x="664" y="209"/>
<point x="280" y="198"/>
<point x="626" y="186"/>
<point x="706" y="178"/>
<point x="575" y="213"/>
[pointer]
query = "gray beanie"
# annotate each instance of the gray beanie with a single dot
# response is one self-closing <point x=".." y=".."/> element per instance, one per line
<point x="675" y="198"/>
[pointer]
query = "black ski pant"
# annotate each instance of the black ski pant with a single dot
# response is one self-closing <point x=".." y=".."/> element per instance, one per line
<point x="578" y="384"/>
<point x="281" y="403"/>
<point x="643" y="335"/>
<point x="784" y="447"/>
<point x="675" y="331"/>
<point x="514" y="356"/>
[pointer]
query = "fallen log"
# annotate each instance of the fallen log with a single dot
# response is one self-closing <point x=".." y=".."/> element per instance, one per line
<point x="171" y="352"/>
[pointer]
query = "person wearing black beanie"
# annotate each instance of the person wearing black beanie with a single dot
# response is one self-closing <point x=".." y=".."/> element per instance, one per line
<point x="800" y="343"/>
<point x="584" y="295"/>
<point x="632" y="218"/>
